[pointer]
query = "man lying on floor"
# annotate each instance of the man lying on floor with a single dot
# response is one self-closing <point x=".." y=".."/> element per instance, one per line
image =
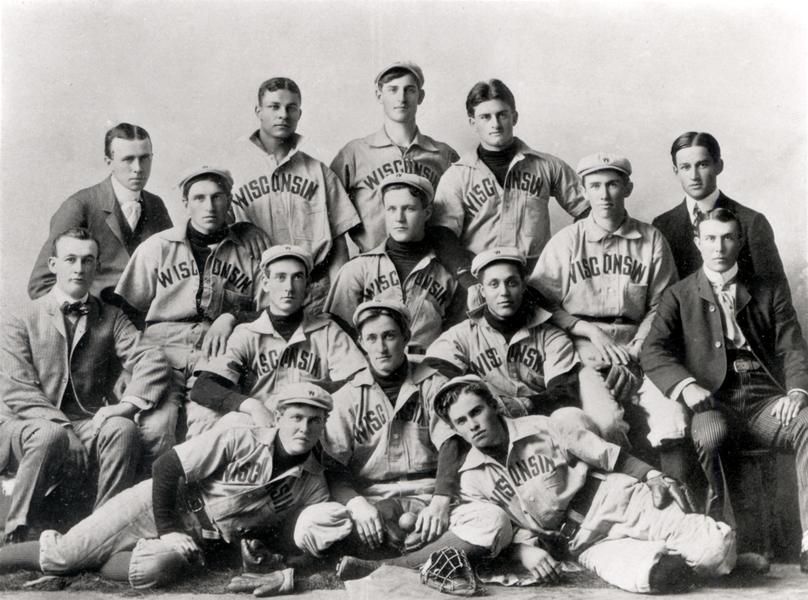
<point x="235" y="480"/>
<point x="612" y="511"/>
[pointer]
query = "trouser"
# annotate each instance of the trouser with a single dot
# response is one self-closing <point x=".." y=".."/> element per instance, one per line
<point x="38" y="453"/>
<point x="742" y="413"/>
<point x="114" y="451"/>
<point x="666" y="418"/>
<point x="182" y="343"/>
<point x="623" y="535"/>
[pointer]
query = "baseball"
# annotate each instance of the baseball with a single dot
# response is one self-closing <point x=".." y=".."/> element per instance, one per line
<point x="407" y="521"/>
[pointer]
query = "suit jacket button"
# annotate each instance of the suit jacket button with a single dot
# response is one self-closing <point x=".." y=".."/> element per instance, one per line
<point x="712" y="308"/>
<point x="717" y="344"/>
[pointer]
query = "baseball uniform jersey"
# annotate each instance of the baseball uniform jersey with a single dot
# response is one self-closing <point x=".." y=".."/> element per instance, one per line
<point x="297" y="201"/>
<point x="363" y="163"/>
<point x="379" y="441"/>
<point x="591" y="272"/>
<point x="513" y="370"/>
<point x="427" y="291"/>
<point x="484" y="214"/>
<point x="162" y="278"/>
<point x="319" y="352"/>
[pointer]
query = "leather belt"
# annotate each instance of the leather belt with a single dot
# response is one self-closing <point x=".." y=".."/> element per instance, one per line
<point x="608" y="320"/>
<point x="580" y="505"/>
<point x="196" y="506"/>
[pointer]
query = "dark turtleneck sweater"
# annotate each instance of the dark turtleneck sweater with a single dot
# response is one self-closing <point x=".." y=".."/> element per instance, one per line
<point x="405" y="255"/>
<point x="286" y="325"/>
<point x="391" y="384"/>
<point x="498" y="160"/>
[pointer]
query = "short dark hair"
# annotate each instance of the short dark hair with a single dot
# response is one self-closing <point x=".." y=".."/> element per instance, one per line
<point x="395" y="73"/>
<point x="125" y="131"/>
<point x="723" y="215"/>
<point x="483" y="91"/>
<point x="444" y="401"/>
<point x="696" y="138"/>
<point x="278" y="83"/>
<point x="416" y="192"/>
<point x="78" y="233"/>
<point x="372" y="313"/>
<point x="217" y="179"/>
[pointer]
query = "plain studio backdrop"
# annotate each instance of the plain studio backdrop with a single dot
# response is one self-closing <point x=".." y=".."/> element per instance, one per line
<point x="588" y="76"/>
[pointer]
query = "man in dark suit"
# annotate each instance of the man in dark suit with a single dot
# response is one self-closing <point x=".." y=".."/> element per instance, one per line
<point x="727" y="343"/>
<point x="697" y="163"/>
<point x="118" y="212"/>
<point x="61" y="356"/>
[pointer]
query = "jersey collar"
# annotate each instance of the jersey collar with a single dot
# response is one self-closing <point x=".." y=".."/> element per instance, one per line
<point x="380" y="139"/>
<point x="472" y="159"/>
<point x="179" y="234"/>
<point x="255" y="140"/>
<point x="538" y="317"/>
<point x="518" y="430"/>
<point x="381" y="250"/>
<point x="263" y="325"/>
<point x="628" y="229"/>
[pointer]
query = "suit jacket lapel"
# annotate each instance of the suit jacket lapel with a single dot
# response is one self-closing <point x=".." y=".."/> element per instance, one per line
<point x="108" y="204"/>
<point x="705" y="289"/>
<point x="742" y="296"/>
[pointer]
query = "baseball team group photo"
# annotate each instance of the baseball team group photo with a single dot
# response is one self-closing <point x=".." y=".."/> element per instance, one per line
<point x="480" y="361"/>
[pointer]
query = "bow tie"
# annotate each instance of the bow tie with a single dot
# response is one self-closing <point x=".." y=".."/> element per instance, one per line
<point x="75" y="308"/>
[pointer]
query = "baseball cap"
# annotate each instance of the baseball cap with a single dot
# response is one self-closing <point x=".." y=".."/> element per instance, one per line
<point x="603" y="161"/>
<point x="274" y="253"/>
<point x="304" y="393"/>
<point x="204" y="170"/>
<point x="407" y="66"/>
<point x="412" y="180"/>
<point x="383" y="305"/>
<point x="503" y="253"/>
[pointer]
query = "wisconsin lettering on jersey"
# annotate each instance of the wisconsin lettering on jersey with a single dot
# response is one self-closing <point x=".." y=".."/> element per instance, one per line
<point x="223" y="270"/>
<point x="243" y="472"/>
<point x="608" y="264"/>
<point x="482" y="192"/>
<point x="279" y="182"/>
<point x="292" y="357"/>
<point x="525" y="470"/>
<point x="371" y="420"/>
<point x="503" y="491"/>
<point x="400" y="166"/>
<point x="489" y="359"/>
<point x="280" y="494"/>
<point x="420" y="278"/>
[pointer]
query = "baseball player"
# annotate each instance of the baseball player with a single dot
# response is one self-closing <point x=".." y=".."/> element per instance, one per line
<point x="529" y="363"/>
<point x="383" y="436"/>
<point x="293" y="197"/>
<point x="398" y="147"/>
<point x="404" y="267"/>
<point x="607" y="273"/>
<point x="613" y="512"/>
<point x="193" y="282"/>
<point x="498" y="195"/>
<point x="231" y="482"/>
<point x="284" y="345"/>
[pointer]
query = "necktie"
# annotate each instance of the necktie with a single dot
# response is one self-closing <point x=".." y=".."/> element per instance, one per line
<point x="131" y="210"/>
<point x="726" y="301"/>
<point x="74" y="308"/>
<point x="698" y="215"/>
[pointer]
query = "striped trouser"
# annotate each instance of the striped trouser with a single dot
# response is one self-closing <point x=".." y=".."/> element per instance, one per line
<point x="742" y="414"/>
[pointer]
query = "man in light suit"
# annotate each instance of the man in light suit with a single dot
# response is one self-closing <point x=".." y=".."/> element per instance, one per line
<point x="697" y="164"/>
<point x="61" y="356"/>
<point x="728" y="345"/>
<point x="118" y="212"/>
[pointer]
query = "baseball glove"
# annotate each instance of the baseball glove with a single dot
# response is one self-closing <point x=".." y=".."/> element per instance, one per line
<point x="448" y="570"/>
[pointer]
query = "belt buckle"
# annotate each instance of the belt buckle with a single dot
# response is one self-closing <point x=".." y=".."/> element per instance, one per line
<point x="568" y="529"/>
<point x="743" y="365"/>
<point x="194" y="503"/>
